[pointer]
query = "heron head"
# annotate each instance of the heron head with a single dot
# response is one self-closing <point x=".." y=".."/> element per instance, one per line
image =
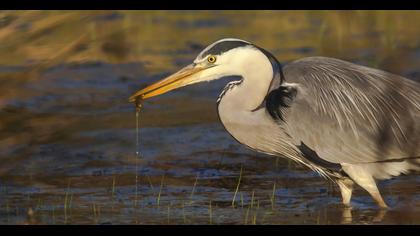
<point x="220" y="59"/>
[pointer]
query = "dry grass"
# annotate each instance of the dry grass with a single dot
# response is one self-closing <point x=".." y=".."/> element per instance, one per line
<point x="193" y="188"/>
<point x="237" y="187"/>
<point x="160" y="191"/>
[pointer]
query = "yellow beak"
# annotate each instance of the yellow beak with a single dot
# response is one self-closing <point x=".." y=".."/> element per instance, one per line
<point x="179" y="79"/>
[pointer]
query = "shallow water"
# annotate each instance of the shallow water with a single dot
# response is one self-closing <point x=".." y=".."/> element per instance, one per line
<point x="68" y="134"/>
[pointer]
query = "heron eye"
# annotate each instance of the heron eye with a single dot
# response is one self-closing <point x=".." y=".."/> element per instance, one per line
<point x="211" y="59"/>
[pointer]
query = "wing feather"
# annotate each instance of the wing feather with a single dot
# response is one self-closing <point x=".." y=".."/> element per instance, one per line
<point x="350" y="113"/>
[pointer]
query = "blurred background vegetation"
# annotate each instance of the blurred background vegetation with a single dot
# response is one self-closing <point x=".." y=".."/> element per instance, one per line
<point x="153" y="37"/>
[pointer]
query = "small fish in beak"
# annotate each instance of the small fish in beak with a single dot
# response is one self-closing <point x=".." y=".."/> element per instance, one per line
<point x="139" y="103"/>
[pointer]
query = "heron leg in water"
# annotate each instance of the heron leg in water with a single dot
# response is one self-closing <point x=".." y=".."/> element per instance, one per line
<point x="365" y="180"/>
<point x="346" y="216"/>
<point x="346" y="188"/>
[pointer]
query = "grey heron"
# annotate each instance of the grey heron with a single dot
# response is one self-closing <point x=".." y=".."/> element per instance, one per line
<point x="349" y="123"/>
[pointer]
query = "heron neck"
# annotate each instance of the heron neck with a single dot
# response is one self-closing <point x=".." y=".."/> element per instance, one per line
<point x="237" y="107"/>
<point x="258" y="71"/>
<point x="255" y="129"/>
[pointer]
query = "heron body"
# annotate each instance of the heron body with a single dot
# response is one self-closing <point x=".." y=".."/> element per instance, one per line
<point x="349" y="123"/>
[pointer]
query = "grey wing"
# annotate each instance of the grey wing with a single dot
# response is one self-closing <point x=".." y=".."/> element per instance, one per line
<point x="349" y="113"/>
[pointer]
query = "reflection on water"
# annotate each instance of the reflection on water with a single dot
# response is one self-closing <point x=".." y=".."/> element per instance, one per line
<point x="347" y="216"/>
<point x="68" y="134"/>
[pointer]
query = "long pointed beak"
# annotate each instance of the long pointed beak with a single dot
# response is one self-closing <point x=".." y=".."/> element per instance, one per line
<point x="181" y="78"/>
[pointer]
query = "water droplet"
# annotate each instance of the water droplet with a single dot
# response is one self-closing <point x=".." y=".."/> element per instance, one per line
<point x="137" y="134"/>
<point x="138" y="108"/>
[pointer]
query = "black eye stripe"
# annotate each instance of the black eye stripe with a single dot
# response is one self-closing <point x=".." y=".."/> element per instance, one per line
<point x="223" y="47"/>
